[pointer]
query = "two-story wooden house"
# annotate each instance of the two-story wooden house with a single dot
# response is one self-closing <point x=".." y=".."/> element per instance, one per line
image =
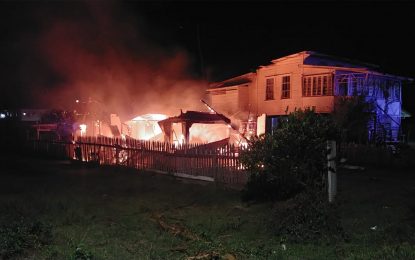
<point x="308" y="80"/>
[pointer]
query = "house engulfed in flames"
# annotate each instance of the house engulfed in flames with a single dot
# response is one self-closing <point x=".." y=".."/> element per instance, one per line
<point x="258" y="100"/>
<point x="188" y="127"/>
<point x="145" y="127"/>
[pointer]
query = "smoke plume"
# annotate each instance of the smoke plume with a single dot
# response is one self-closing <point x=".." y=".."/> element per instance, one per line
<point x="103" y="55"/>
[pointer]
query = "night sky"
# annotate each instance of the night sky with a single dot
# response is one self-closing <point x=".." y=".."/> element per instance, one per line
<point x="218" y="39"/>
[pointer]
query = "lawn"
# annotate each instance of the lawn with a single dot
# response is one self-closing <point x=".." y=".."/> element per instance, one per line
<point x="58" y="210"/>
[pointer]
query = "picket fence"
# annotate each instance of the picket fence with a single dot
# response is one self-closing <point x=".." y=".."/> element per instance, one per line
<point x="209" y="162"/>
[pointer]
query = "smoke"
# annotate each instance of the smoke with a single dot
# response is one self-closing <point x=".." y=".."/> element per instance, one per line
<point x="102" y="54"/>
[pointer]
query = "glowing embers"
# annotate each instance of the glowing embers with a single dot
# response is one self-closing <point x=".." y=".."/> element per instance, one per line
<point x="150" y="117"/>
<point x="208" y="133"/>
<point x="82" y="127"/>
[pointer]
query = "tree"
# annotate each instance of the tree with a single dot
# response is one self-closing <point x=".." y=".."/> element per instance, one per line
<point x="64" y="121"/>
<point x="352" y="115"/>
<point x="289" y="160"/>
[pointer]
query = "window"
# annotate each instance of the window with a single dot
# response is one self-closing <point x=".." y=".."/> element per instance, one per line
<point x="396" y="91"/>
<point x="361" y="86"/>
<point x="314" y="86"/>
<point x="307" y="86"/>
<point x="269" y="92"/>
<point x="354" y="87"/>
<point x="285" y="87"/>
<point x="325" y="86"/>
<point x="318" y="85"/>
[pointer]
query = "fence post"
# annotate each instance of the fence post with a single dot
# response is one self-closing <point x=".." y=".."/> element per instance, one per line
<point x="331" y="170"/>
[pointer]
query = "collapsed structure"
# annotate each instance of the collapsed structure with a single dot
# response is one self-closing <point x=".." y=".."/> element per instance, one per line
<point x="258" y="100"/>
<point x="186" y="120"/>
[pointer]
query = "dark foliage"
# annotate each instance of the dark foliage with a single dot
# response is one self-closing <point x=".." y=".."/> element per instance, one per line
<point x="289" y="160"/>
<point x="308" y="217"/>
<point x="352" y="115"/>
<point x="63" y="119"/>
<point x="265" y="187"/>
<point x="290" y="165"/>
<point x="403" y="156"/>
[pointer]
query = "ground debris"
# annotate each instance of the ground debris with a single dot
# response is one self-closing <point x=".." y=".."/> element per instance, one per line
<point x="229" y="257"/>
<point x="204" y="256"/>
<point x="241" y="208"/>
<point x="352" y="167"/>
<point x="174" y="228"/>
<point x="211" y="256"/>
<point x="179" y="249"/>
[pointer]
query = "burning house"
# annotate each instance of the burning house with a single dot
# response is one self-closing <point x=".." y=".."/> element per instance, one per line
<point x="307" y="79"/>
<point x="145" y="127"/>
<point x="195" y="127"/>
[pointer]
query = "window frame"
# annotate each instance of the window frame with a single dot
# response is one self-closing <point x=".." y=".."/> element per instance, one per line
<point x="286" y="87"/>
<point x="318" y="85"/>
<point x="269" y="88"/>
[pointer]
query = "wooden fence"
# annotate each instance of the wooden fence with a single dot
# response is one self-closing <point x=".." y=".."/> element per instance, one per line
<point x="195" y="161"/>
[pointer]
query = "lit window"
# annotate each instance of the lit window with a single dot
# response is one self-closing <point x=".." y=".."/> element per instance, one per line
<point x="269" y="94"/>
<point x="285" y="89"/>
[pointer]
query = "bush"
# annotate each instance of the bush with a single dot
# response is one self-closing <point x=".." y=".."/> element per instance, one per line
<point x="265" y="187"/>
<point x="289" y="160"/>
<point x="308" y="217"/>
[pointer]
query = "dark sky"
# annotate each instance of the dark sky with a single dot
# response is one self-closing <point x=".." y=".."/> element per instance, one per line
<point x="221" y="38"/>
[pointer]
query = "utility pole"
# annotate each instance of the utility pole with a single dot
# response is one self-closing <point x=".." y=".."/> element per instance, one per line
<point x="331" y="170"/>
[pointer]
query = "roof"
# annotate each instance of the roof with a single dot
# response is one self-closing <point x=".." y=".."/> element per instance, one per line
<point x="238" y="80"/>
<point x="197" y="117"/>
<point x="311" y="58"/>
<point x="318" y="58"/>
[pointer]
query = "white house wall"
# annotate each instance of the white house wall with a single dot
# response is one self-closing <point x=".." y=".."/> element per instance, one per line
<point x="251" y="97"/>
<point x="227" y="102"/>
<point x="230" y="100"/>
<point x="279" y="106"/>
<point x="244" y="98"/>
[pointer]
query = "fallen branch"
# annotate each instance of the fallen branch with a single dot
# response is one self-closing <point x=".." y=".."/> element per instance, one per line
<point x="174" y="229"/>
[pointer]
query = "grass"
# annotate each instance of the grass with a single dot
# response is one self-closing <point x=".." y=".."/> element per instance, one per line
<point x="115" y="213"/>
